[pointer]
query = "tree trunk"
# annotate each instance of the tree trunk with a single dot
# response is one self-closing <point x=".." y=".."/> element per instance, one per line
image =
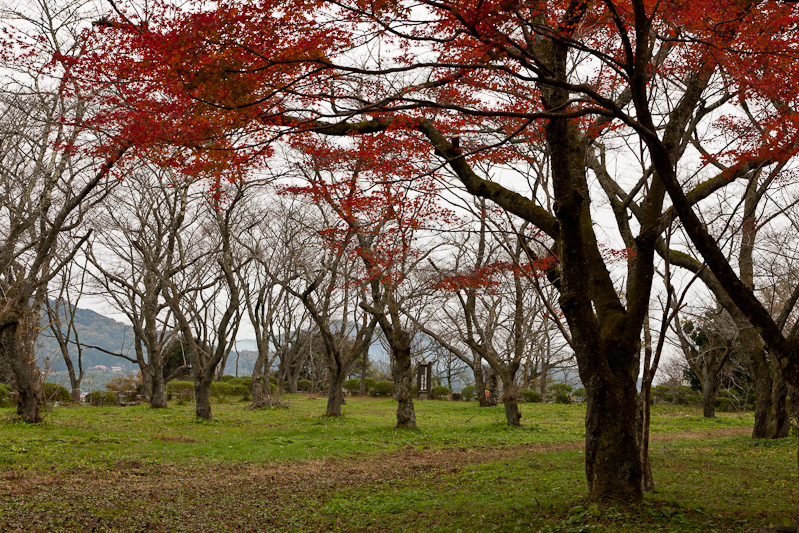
<point x="27" y="376"/>
<point x="403" y="382"/>
<point x="257" y="380"/>
<point x="479" y="383"/>
<point x="202" y="395"/>
<point x="543" y="381"/>
<point x="710" y="390"/>
<point x="771" y="415"/>
<point x="335" y="393"/>
<point x="512" y="414"/>
<point x="157" y="384"/>
<point x="492" y="384"/>
<point x="612" y="452"/>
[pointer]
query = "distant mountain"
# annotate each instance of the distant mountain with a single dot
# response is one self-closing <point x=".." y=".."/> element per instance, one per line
<point x="93" y="329"/>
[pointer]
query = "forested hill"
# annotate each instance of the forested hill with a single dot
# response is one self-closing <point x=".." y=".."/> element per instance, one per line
<point x="93" y="329"/>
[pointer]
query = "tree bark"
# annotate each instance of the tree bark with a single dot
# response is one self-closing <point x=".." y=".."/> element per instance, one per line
<point x="612" y="452"/>
<point x="202" y="396"/>
<point x="157" y="383"/>
<point x="27" y="376"/>
<point x="403" y="381"/>
<point x="335" y="392"/>
<point x="512" y="414"/>
<point x="710" y="390"/>
<point x="257" y="380"/>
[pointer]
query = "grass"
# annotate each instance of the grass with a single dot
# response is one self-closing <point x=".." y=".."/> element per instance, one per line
<point x="120" y="469"/>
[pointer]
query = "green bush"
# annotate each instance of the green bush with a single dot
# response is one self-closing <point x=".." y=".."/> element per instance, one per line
<point x="243" y="381"/>
<point x="303" y="385"/>
<point x="441" y="392"/>
<point x="353" y="386"/>
<point x="531" y="395"/>
<point x="468" y="392"/>
<point x="5" y="395"/>
<point x="102" y="397"/>
<point x="725" y="405"/>
<point x="662" y="394"/>
<point x="579" y="395"/>
<point x="53" y="392"/>
<point x="273" y="379"/>
<point x="227" y="378"/>
<point x="383" y="388"/>
<point x="180" y="390"/>
<point x="685" y="395"/>
<point x="560" y="393"/>
<point x="220" y="389"/>
<point x="368" y="384"/>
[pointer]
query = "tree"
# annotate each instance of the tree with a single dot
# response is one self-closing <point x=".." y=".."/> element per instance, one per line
<point x="332" y="293"/>
<point x="61" y="315"/>
<point x="47" y="183"/>
<point x="708" y="344"/>
<point x="136" y="239"/>
<point x="494" y="77"/>
<point x="379" y="217"/>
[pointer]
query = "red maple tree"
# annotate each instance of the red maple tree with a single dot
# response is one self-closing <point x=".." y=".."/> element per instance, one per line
<point x="213" y="90"/>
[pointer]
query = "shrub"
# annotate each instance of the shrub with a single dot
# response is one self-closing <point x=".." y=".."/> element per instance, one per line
<point x="353" y="386"/>
<point x="220" y="389"/>
<point x="725" y="405"/>
<point x="368" y="384"/>
<point x="243" y="381"/>
<point x="468" y="392"/>
<point x="126" y="387"/>
<point x="54" y="392"/>
<point x="5" y="395"/>
<point x="579" y="395"/>
<point x="685" y="395"/>
<point x="441" y="392"/>
<point x="662" y="394"/>
<point x="226" y="378"/>
<point x="303" y="385"/>
<point x="383" y="388"/>
<point x="102" y="397"/>
<point x="560" y="393"/>
<point x="531" y="395"/>
<point x="273" y="379"/>
<point x="181" y="390"/>
<point x="457" y="396"/>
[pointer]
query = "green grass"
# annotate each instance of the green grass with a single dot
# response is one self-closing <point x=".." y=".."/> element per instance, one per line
<point x="118" y="468"/>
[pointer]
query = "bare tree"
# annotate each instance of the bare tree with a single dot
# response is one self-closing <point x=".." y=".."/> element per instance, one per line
<point x="136" y="238"/>
<point x="46" y="186"/>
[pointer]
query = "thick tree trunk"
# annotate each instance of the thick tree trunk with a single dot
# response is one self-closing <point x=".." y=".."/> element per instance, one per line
<point x="512" y="414"/>
<point x="710" y="391"/>
<point x="480" y="385"/>
<point x="771" y="414"/>
<point x="157" y="384"/>
<point x="492" y="384"/>
<point x="612" y="451"/>
<point x="202" y="395"/>
<point x="27" y="376"/>
<point x="144" y="368"/>
<point x="335" y="393"/>
<point x="258" y="381"/>
<point x="403" y="381"/>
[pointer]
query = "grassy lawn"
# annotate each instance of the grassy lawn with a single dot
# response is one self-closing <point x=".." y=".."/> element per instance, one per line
<point x="134" y="469"/>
